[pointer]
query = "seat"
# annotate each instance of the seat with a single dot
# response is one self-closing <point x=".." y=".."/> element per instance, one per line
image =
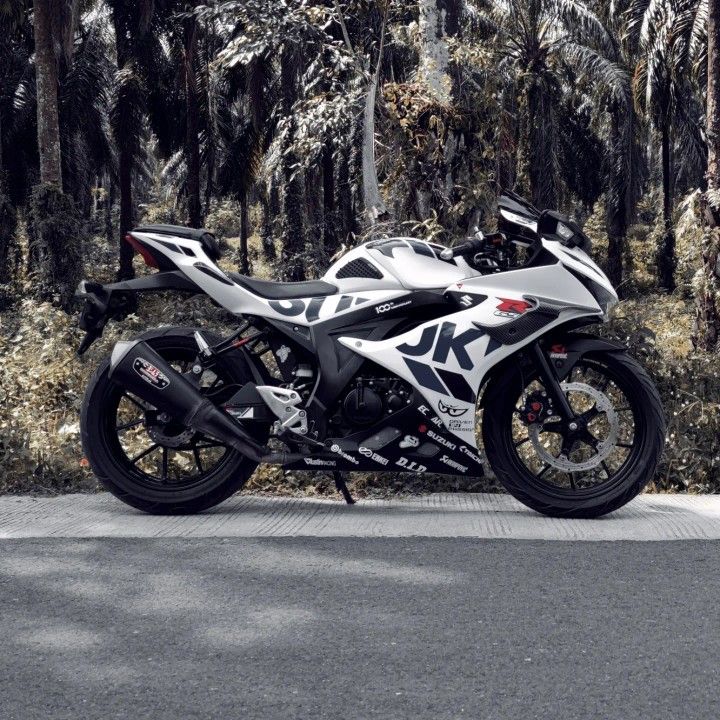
<point x="283" y="290"/>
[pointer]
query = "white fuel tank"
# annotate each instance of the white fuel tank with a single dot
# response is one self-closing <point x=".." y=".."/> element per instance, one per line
<point x="396" y="263"/>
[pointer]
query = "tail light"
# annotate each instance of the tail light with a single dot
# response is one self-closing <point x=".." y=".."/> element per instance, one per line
<point x="147" y="256"/>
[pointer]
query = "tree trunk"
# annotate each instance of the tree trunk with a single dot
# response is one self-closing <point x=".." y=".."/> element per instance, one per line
<point x="292" y="232"/>
<point x="125" y="160"/>
<point x="210" y="130"/>
<point x="192" y="118"/>
<point x="126" y="150"/>
<point x="434" y="51"/>
<point x="54" y="230"/>
<point x="616" y="216"/>
<point x="109" y="202"/>
<point x="330" y="241"/>
<point x="46" y="73"/>
<point x="270" y="203"/>
<point x="243" y="260"/>
<point x="666" y="250"/>
<point x="706" y="335"/>
<point x="374" y="203"/>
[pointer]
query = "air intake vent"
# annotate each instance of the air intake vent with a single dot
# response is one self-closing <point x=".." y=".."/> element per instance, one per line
<point x="359" y="268"/>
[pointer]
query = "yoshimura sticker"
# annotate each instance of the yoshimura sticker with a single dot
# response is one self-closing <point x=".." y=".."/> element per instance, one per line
<point x="150" y="374"/>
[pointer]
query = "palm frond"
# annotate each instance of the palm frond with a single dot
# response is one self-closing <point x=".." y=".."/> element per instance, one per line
<point x="581" y="21"/>
<point x="599" y="69"/>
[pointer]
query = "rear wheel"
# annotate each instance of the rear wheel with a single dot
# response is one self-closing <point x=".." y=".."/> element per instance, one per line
<point x="587" y="468"/>
<point x="152" y="461"/>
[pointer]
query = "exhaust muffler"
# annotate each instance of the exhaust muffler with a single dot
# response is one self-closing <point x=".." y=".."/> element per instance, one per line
<point x="137" y="367"/>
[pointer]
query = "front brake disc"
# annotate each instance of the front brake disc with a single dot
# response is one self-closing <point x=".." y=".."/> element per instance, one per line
<point x="604" y="447"/>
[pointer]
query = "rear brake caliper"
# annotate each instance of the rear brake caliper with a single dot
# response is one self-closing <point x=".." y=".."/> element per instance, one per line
<point x="537" y="408"/>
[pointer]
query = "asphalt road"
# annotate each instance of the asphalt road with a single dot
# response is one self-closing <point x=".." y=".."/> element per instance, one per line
<point x="358" y="628"/>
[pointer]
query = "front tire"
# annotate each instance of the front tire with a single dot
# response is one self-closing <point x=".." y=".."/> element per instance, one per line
<point x="155" y="464"/>
<point x="540" y="475"/>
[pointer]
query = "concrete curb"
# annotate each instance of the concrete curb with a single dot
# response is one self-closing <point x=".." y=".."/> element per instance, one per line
<point x="647" y="518"/>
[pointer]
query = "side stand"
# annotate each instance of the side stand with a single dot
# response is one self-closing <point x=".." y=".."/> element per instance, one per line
<point x="343" y="488"/>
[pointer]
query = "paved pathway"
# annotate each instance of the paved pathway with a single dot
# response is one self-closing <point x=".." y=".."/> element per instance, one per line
<point x="649" y="517"/>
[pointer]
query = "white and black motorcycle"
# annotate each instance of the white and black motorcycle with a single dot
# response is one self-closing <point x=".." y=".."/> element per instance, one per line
<point x="399" y="359"/>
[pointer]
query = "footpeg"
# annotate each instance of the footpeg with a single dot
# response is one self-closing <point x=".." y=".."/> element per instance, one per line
<point x="284" y="404"/>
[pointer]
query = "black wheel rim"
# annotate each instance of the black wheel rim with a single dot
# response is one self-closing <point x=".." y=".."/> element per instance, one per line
<point x="609" y="472"/>
<point x="158" y="454"/>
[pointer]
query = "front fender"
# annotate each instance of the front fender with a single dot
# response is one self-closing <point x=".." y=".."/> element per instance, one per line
<point x="563" y="350"/>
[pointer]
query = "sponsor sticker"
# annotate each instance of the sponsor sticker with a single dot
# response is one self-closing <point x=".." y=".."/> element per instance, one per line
<point x="319" y="462"/>
<point x="409" y="441"/>
<point x="454" y="465"/>
<point x="460" y="424"/>
<point x="466" y="451"/>
<point x="367" y="452"/>
<point x="451" y="410"/>
<point x="385" y="307"/>
<point x="339" y="451"/>
<point x="410" y="466"/>
<point x="441" y="440"/>
<point x="150" y="374"/>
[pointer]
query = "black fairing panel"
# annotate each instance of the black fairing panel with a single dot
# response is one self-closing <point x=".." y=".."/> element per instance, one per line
<point x="337" y="365"/>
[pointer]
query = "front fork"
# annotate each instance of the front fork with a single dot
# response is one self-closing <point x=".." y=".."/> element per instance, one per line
<point x="552" y="385"/>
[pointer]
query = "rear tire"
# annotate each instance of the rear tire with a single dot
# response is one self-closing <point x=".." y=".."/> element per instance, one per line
<point x="128" y="482"/>
<point x="621" y="486"/>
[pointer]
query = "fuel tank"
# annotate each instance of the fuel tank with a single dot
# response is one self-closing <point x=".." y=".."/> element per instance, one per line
<point x="398" y="263"/>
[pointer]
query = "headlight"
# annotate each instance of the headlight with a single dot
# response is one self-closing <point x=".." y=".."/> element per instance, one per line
<point x="564" y="231"/>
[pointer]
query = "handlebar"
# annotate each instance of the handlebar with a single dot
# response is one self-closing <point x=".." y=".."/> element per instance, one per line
<point x="472" y="246"/>
<point x="476" y="244"/>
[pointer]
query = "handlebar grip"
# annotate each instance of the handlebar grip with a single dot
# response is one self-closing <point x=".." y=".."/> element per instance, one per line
<point x="471" y="246"/>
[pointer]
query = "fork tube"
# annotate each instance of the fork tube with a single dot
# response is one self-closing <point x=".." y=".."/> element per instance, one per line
<point x="551" y="383"/>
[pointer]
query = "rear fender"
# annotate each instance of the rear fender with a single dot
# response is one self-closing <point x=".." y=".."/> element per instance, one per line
<point x="117" y="300"/>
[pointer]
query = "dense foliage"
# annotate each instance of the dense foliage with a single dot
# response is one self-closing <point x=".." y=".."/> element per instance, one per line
<point x="296" y="128"/>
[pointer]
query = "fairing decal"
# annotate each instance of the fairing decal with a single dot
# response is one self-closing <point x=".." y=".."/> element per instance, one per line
<point x="446" y="360"/>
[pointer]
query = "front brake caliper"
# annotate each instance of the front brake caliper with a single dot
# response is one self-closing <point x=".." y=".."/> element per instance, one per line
<point x="537" y="408"/>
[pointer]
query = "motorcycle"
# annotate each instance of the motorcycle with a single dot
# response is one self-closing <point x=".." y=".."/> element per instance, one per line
<point x="399" y="359"/>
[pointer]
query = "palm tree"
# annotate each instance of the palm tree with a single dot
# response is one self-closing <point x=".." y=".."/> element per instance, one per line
<point x="131" y="22"/>
<point x="14" y="63"/>
<point x="192" y="117"/>
<point x="663" y="94"/>
<point x="537" y="42"/>
<point x="55" y="248"/>
<point x="707" y="313"/>
<point x="46" y="70"/>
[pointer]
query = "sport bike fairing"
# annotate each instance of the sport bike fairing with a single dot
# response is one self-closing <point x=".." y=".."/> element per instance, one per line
<point x="376" y="272"/>
<point x="446" y="359"/>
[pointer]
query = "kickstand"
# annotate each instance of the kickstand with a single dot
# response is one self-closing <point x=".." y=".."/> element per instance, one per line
<point x="343" y="488"/>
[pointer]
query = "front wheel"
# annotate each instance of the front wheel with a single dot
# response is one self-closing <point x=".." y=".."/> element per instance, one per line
<point x="590" y="467"/>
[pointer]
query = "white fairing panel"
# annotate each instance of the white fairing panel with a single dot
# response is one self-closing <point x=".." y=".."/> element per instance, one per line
<point x="374" y="273"/>
<point x="416" y="264"/>
<point x="190" y="258"/>
<point x="397" y="263"/>
<point x="447" y="359"/>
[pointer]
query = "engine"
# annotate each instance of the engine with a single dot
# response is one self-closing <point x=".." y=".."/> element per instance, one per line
<point x="369" y="400"/>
